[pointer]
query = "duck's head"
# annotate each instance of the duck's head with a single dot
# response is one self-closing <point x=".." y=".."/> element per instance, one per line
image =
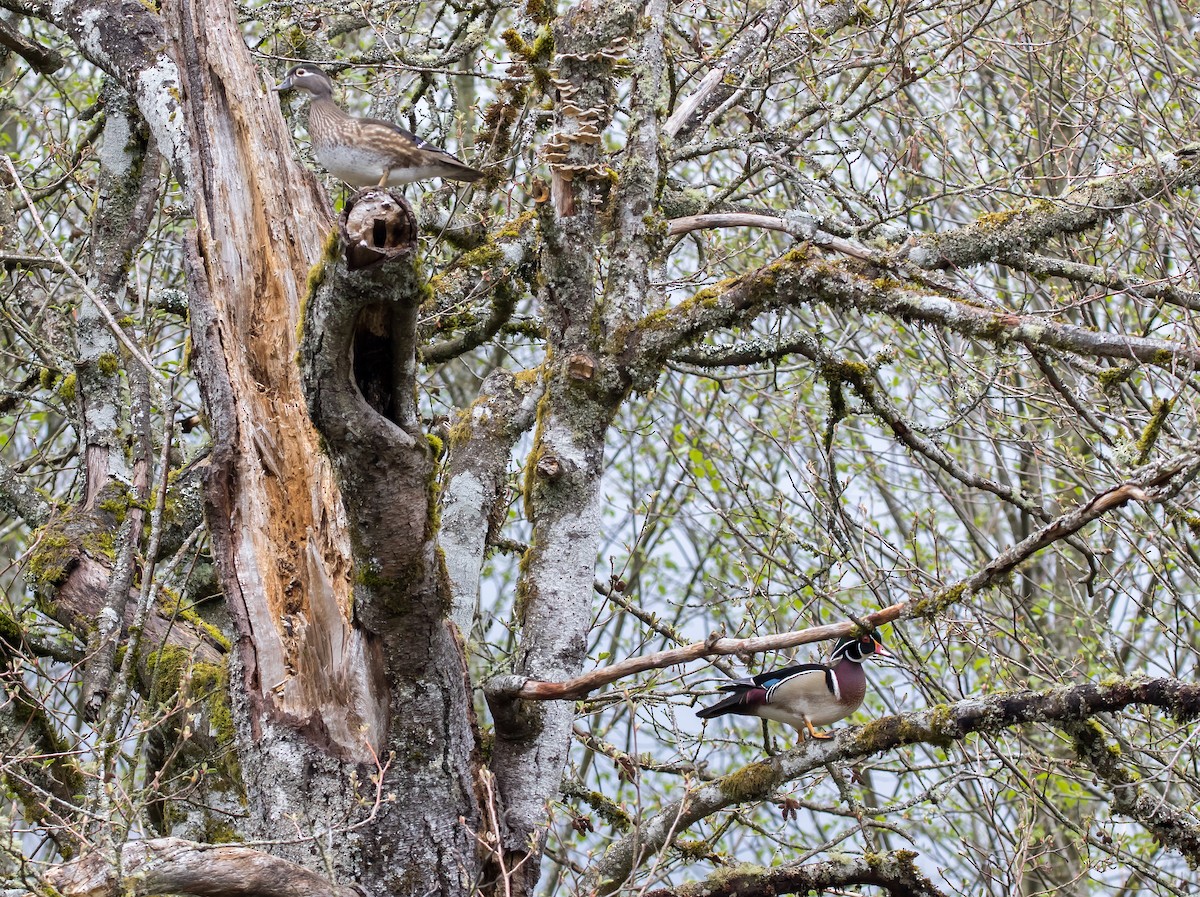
<point x="309" y="78"/>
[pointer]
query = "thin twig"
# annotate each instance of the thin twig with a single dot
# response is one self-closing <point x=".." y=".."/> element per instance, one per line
<point x="133" y="349"/>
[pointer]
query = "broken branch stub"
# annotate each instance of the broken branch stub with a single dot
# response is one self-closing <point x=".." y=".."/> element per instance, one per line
<point x="377" y="226"/>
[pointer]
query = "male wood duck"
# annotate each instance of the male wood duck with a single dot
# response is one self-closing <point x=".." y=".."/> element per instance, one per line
<point x="806" y="695"/>
<point x="367" y="152"/>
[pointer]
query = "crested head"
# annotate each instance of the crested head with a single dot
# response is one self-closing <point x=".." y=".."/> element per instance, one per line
<point x="309" y="78"/>
<point x="858" y="648"/>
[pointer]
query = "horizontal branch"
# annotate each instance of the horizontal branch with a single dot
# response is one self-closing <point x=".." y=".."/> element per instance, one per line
<point x="1037" y="222"/>
<point x="894" y="871"/>
<point x="804" y="276"/>
<point x="941" y="725"/>
<point x="800" y="227"/>
<point x="510" y="687"/>
<point x="19" y="260"/>
<point x="175" y="866"/>
<point x="1042" y="266"/>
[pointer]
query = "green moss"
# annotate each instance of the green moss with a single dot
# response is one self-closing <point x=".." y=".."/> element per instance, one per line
<point x="487" y="743"/>
<point x="173" y="605"/>
<point x="221" y="833"/>
<point x="117" y="507"/>
<point x="1188" y="518"/>
<point x="173" y="670"/>
<point x="515" y="43"/>
<point x="435" y="445"/>
<point x="100" y="544"/>
<point x="525" y="589"/>
<point x="489" y="255"/>
<point x="527" y="378"/>
<point x="604" y="807"/>
<point x="167" y="669"/>
<point x="66" y="388"/>
<point x="905" y="859"/>
<point x="51" y="558"/>
<point x="460" y="431"/>
<point x="1145" y="443"/>
<point x="995" y="220"/>
<point x="316" y="275"/>
<point x="939" y="601"/>
<point x="11" y="633"/>
<point x="541" y="11"/>
<point x="1114" y="377"/>
<point x="889" y="732"/>
<point x="108" y="363"/>
<point x="529" y="478"/>
<point x="727" y="876"/>
<point x="692" y="848"/>
<point x="1110" y="747"/>
<point x="752" y="782"/>
<point x="47" y="378"/>
<point x="513" y="229"/>
<point x="210" y="682"/>
<point x="542" y="50"/>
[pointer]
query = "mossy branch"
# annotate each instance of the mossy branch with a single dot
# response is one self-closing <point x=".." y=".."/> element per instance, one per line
<point x="1036" y="223"/>
<point x="802" y="277"/>
<point x="942" y="726"/>
<point x="895" y="871"/>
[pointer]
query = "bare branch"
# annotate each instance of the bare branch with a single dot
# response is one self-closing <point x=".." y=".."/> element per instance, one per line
<point x="43" y="60"/>
<point x="802" y="227"/>
<point x="1155" y="483"/>
<point x="1110" y="278"/>
<point x="17" y="260"/>
<point x="515" y="687"/>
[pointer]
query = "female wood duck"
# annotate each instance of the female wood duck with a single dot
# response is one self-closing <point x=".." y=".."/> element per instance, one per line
<point x="367" y="152"/>
<point x="806" y="695"/>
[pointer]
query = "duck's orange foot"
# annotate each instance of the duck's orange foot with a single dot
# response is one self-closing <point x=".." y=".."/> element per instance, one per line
<point x="813" y="733"/>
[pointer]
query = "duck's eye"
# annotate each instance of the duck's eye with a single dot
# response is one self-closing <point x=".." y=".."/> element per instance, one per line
<point x="301" y="72"/>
